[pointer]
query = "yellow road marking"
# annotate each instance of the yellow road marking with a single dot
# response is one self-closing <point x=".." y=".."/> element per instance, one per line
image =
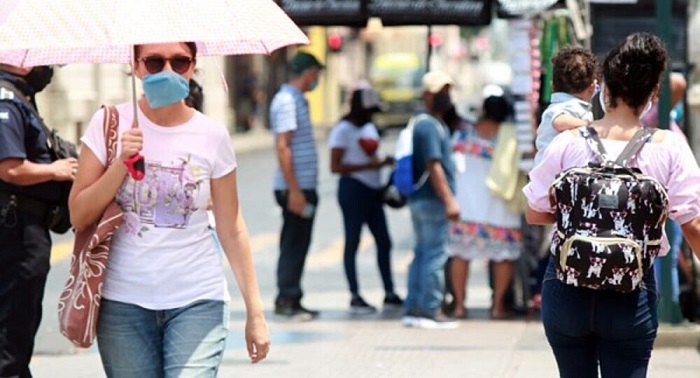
<point x="61" y="251"/>
<point x="333" y="253"/>
<point x="330" y="255"/>
<point x="259" y="242"/>
<point x="263" y="241"/>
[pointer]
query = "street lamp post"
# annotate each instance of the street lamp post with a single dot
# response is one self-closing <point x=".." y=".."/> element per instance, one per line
<point x="669" y="311"/>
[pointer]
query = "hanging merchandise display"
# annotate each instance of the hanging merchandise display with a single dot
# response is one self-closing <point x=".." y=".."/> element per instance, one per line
<point x="532" y="42"/>
<point x="524" y="58"/>
<point x="525" y="7"/>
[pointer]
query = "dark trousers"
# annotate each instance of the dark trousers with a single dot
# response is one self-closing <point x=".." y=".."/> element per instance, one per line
<point x="24" y="265"/>
<point x="361" y="204"/>
<point x="294" y="246"/>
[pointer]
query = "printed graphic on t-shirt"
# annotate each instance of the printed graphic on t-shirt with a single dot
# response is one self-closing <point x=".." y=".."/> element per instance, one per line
<point x="165" y="198"/>
<point x="368" y="145"/>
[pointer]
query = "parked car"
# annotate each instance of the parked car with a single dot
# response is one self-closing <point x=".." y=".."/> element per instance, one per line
<point x="397" y="79"/>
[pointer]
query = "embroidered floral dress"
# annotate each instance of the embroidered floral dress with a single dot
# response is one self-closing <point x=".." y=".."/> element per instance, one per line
<point x="487" y="229"/>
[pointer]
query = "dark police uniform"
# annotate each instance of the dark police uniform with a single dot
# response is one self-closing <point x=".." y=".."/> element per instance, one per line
<point x="24" y="233"/>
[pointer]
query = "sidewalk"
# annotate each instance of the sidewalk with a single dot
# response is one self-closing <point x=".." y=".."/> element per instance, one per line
<point x="341" y="345"/>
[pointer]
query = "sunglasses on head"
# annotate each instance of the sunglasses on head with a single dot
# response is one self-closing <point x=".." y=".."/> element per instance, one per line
<point x="155" y="64"/>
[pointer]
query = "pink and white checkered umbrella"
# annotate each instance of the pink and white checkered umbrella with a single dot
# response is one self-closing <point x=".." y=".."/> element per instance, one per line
<point x="44" y="32"/>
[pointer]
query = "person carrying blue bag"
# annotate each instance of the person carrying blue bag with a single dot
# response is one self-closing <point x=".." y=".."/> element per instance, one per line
<point x="433" y="206"/>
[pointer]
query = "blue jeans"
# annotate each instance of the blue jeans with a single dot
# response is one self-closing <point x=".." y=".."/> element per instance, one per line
<point x="361" y="204"/>
<point x="675" y="240"/>
<point x="182" y="342"/>
<point x="587" y="328"/>
<point x="425" y="275"/>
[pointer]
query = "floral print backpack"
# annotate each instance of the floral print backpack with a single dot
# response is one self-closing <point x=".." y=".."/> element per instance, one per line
<point x="609" y="219"/>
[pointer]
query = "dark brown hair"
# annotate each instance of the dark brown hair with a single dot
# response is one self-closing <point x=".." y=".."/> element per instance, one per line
<point x="632" y="70"/>
<point x="573" y="69"/>
<point x="496" y="108"/>
<point x="190" y="45"/>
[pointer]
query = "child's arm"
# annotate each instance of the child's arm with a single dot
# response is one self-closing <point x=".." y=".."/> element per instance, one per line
<point x="566" y="121"/>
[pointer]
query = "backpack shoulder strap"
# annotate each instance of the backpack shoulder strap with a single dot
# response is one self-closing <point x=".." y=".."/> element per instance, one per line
<point x="595" y="144"/>
<point x="110" y="126"/>
<point x="415" y="119"/>
<point x="423" y="117"/>
<point x="634" y="146"/>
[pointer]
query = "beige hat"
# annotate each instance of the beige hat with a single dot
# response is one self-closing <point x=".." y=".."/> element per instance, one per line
<point x="434" y="81"/>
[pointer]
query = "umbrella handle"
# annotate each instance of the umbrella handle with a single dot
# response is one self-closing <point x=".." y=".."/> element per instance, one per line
<point x="136" y="167"/>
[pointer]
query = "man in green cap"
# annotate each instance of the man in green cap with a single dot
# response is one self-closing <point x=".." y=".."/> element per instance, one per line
<point x="295" y="181"/>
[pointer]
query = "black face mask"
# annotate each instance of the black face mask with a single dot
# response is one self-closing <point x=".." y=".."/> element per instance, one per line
<point x="441" y="102"/>
<point x="39" y="77"/>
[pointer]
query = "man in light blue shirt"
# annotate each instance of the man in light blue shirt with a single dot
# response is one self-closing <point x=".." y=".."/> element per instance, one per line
<point x="573" y="82"/>
<point x="295" y="181"/>
<point x="432" y="206"/>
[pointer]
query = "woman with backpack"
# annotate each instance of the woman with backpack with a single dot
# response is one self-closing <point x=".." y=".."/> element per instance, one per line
<point x="354" y="144"/>
<point x="599" y="299"/>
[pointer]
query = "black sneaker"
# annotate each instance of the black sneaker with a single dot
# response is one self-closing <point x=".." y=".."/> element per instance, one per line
<point x="358" y="306"/>
<point x="313" y="313"/>
<point x="294" y="311"/>
<point x="393" y="300"/>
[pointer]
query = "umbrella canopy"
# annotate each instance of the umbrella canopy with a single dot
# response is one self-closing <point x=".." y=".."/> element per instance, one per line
<point x="43" y="32"/>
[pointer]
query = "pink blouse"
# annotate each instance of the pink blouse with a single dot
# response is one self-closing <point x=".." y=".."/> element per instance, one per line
<point x="670" y="161"/>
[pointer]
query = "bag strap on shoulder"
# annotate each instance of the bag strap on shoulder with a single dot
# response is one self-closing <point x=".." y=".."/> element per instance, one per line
<point x="423" y="117"/>
<point x="629" y="153"/>
<point x="110" y="126"/>
<point x="595" y="144"/>
<point x="634" y="146"/>
<point x="441" y="131"/>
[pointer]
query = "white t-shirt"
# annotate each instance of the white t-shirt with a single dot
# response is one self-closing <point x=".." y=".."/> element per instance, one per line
<point x="361" y="145"/>
<point x="163" y="256"/>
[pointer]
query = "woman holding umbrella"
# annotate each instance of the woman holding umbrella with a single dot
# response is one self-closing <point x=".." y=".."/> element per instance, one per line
<point x="165" y="301"/>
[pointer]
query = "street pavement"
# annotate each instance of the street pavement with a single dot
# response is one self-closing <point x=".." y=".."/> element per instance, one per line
<point x="339" y="344"/>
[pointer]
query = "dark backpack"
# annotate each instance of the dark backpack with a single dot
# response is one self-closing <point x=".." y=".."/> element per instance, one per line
<point x="610" y="219"/>
<point x="59" y="217"/>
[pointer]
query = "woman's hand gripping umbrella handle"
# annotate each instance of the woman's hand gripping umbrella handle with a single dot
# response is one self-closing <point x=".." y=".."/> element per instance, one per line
<point x="136" y="163"/>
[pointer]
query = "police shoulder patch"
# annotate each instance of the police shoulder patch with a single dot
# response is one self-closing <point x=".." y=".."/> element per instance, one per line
<point x="4" y="116"/>
<point x="6" y="94"/>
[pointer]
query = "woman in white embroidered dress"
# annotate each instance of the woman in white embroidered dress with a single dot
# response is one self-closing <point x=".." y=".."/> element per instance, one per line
<point x="487" y="228"/>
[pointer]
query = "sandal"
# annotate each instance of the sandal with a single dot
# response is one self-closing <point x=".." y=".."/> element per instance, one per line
<point x="460" y="314"/>
<point x="504" y="315"/>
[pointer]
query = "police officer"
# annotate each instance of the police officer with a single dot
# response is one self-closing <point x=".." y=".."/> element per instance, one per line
<point x="28" y="184"/>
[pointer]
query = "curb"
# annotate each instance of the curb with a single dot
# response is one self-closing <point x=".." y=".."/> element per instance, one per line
<point x="260" y="138"/>
<point x="254" y="140"/>
<point x="684" y="335"/>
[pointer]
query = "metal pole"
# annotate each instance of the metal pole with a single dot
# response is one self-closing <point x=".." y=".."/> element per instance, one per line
<point x="430" y="48"/>
<point x="669" y="311"/>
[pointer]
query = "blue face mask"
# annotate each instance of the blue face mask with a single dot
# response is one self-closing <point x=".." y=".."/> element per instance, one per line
<point x="313" y="85"/>
<point x="165" y="88"/>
